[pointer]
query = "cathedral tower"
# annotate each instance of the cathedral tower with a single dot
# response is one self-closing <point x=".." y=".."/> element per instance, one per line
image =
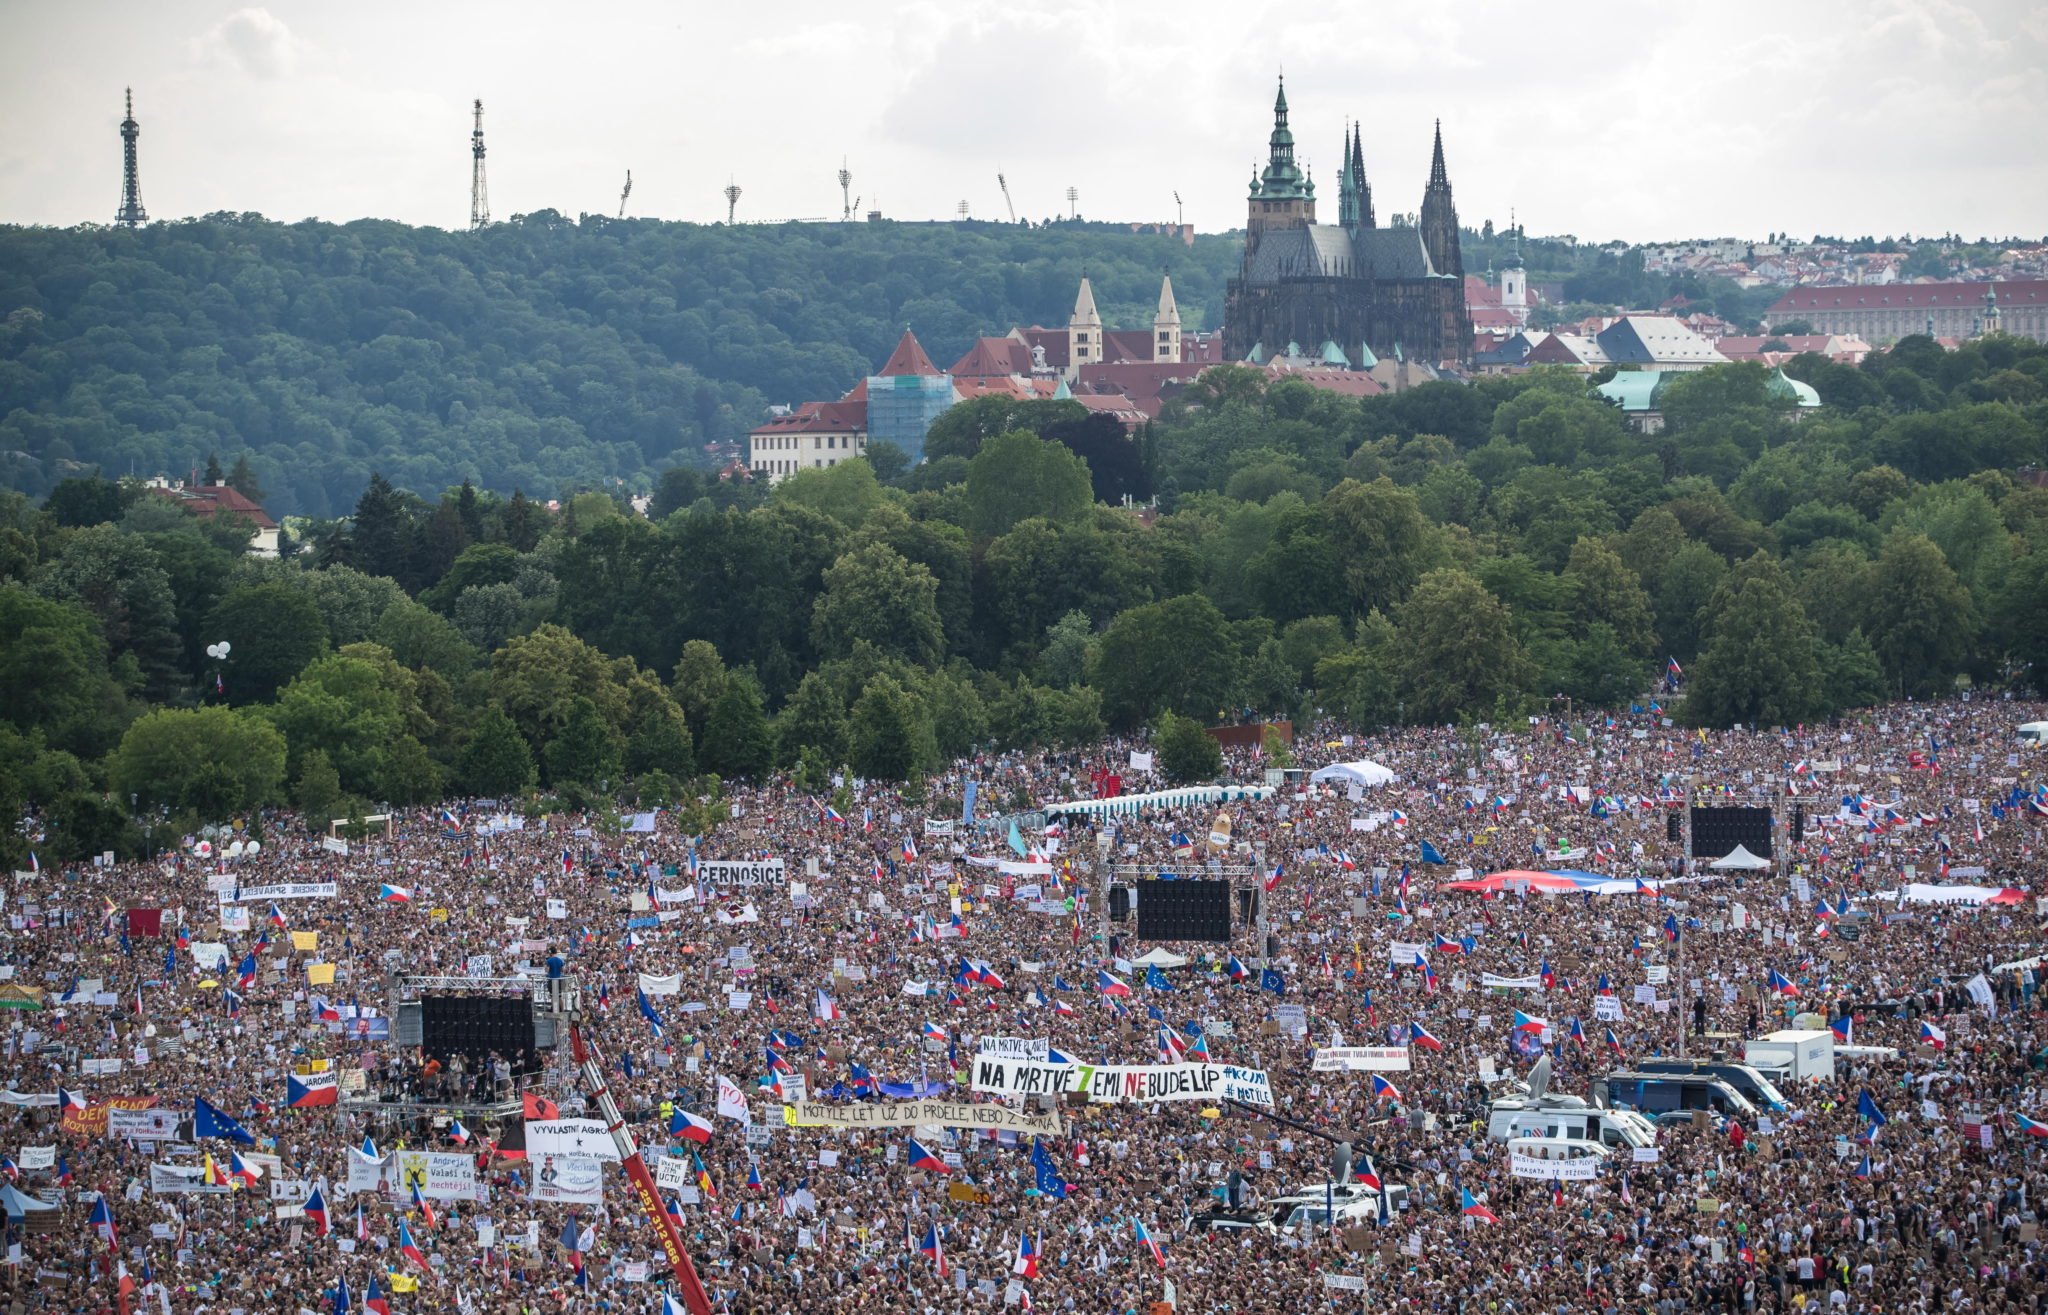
<point x="1439" y="219"/>
<point x="1282" y="197"/>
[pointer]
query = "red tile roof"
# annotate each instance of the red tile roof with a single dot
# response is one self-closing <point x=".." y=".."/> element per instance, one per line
<point x="1910" y="296"/>
<point x="818" y="418"/>
<point x="993" y="357"/>
<point x="1053" y="340"/>
<point x="209" y="500"/>
<point x="908" y="358"/>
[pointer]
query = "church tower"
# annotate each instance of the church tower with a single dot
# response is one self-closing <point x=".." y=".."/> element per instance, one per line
<point x="1166" y="326"/>
<point x="1439" y="218"/>
<point x="1363" y="189"/>
<point x="1282" y="197"/>
<point x="1347" y="190"/>
<point x="1514" y="280"/>
<point x="1084" y="332"/>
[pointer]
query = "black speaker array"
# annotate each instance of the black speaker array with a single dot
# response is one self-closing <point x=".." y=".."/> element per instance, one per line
<point x="476" y="1025"/>
<point x="1119" y="903"/>
<point x="1247" y="906"/>
<point x="1674" y="828"/>
<point x="1717" y="831"/>
<point x="1184" y="910"/>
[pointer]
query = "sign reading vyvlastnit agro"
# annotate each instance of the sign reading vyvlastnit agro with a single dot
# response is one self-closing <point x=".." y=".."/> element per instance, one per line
<point x="1136" y="1084"/>
<point x="723" y="872"/>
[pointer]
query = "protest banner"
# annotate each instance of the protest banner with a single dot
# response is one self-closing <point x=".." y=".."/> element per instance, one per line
<point x="183" y="1179"/>
<point x="151" y="1124"/>
<point x="1584" y="1168"/>
<point x="1136" y="1083"/>
<point x="915" y="1113"/>
<point x="441" y="1175"/>
<point x="719" y="872"/>
<point x="92" y="1120"/>
<point x="569" y="1137"/>
<point x="672" y="985"/>
<point x="1367" y="1059"/>
<point x="1013" y="1047"/>
<point x="284" y="890"/>
<point x="574" y="1179"/>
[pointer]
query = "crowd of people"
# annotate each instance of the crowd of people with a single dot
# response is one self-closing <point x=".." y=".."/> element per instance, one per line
<point x="903" y="935"/>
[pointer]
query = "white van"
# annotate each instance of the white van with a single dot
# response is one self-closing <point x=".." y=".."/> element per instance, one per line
<point x="1558" y="1148"/>
<point x="2034" y="733"/>
<point x="1567" y="1118"/>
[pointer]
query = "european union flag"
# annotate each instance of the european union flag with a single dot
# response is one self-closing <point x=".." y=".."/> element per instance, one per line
<point x="1429" y="854"/>
<point x="1271" y="980"/>
<point x="1156" y="979"/>
<point x="1047" y="1174"/>
<point x="210" y="1122"/>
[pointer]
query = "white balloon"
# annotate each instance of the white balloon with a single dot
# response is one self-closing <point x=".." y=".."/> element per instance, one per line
<point x="252" y="849"/>
<point x="204" y="849"/>
<point x="235" y="850"/>
<point x="224" y="647"/>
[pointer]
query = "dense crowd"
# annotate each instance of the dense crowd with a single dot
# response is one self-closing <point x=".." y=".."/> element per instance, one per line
<point x="857" y="982"/>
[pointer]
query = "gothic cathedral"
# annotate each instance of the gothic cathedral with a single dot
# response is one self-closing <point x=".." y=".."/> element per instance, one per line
<point x="1366" y="290"/>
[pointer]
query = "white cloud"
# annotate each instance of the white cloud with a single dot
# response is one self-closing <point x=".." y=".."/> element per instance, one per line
<point x="253" y="40"/>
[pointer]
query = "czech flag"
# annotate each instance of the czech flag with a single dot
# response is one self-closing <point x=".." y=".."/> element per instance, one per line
<point x="1146" y="1240"/>
<point x="391" y="894"/>
<point x="1864" y="1170"/>
<point x="934" y="1247"/>
<point x="242" y="1171"/>
<point x="457" y="1133"/>
<point x="374" y="1299"/>
<point x="1365" y="1171"/>
<point x="2030" y="1128"/>
<point x="1471" y="1208"/>
<point x="1110" y="985"/>
<point x="1418" y="1035"/>
<point x="1577" y="1032"/>
<point x="1026" y="1263"/>
<point x="909" y="850"/>
<point x="1383" y="1089"/>
<point x="246" y="974"/>
<point x="1238" y="972"/>
<point x="1546" y="976"/>
<point x="315" y="1209"/>
<point x="1782" y="984"/>
<point x="1930" y="1035"/>
<point x="421" y="1204"/>
<point x="1428" y="975"/>
<point x="1614" y="1043"/>
<point x="933" y="1032"/>
<point x="1844" y="1030"/>
<point x="1529" y="1022"/>
<point x="311" y="1092"/>
<point x="277" y="918"/>
<point x="102" y="1221"/>
<point x="409" y="1248"/>
<point x="920" y="1158"/>
<point x="1445" y="945"/>
<point x="689" y="1127"/>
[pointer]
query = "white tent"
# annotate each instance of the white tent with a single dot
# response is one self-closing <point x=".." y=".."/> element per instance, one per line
<point x="1361" y="772"/>
<point x="1161" y="957"/>
<point x="1740" y="861"/>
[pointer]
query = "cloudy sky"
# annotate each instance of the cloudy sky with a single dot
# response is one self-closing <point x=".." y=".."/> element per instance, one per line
<point x="1637" y="119"/>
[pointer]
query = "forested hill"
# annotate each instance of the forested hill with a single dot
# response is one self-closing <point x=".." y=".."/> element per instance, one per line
<point x="541" y="353"/>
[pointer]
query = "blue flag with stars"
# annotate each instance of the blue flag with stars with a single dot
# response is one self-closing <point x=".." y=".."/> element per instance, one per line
<point x="1271" y="980"/>
<point x="1047" y="1173"/>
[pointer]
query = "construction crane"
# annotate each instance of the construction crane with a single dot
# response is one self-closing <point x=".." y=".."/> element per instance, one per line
<point x="1004" y="183"/>
<point x="591" y="1068"/>
<point x="623" y="195"/>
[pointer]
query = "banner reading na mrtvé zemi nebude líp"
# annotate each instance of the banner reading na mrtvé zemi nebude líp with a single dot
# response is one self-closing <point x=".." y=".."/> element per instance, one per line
<point x="1138" y="1084"/>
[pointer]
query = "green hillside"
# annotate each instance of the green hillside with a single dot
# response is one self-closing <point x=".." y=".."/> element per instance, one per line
<point x="542" y="353"/>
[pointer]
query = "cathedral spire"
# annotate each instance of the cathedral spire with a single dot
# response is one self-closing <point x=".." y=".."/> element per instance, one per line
<point x="1282" y="180"/>
<point x="1438" y="176"/>
<point x="1347" y="186"/>
<point x="1439" y="218"/>
<point x="1363" y="218"/>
